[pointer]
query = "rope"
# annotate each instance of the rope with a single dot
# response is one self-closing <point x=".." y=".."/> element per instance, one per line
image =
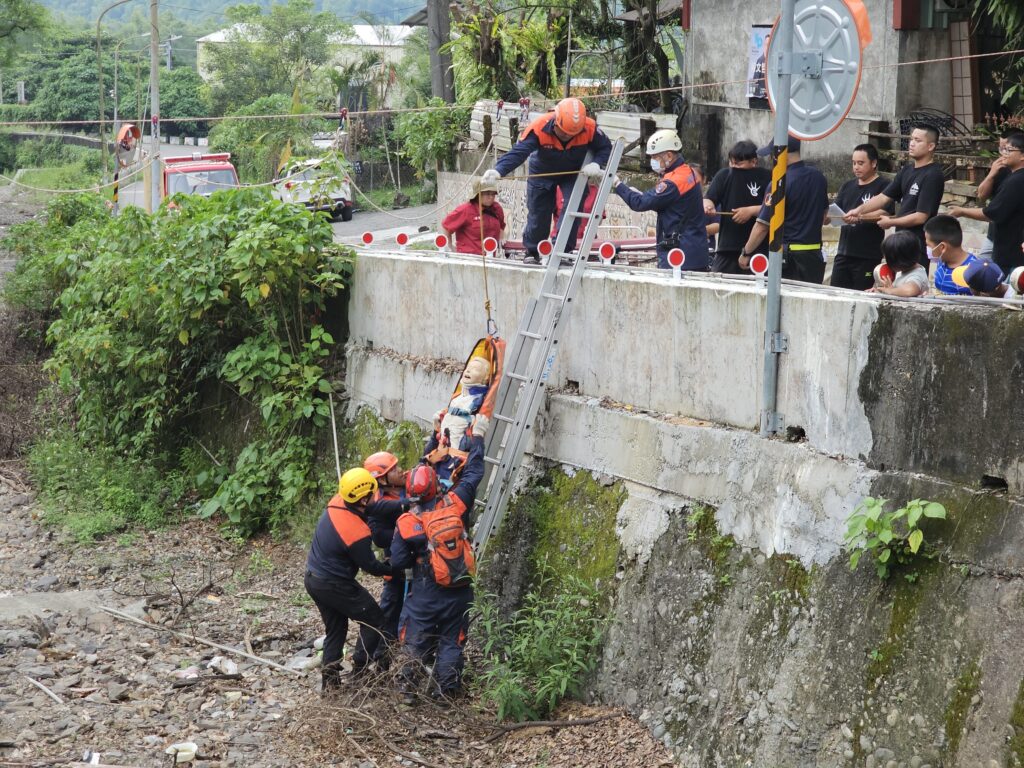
<point x="71" y="191"/>
<point x="448" y="107"/>
<point x="483" y="258"/>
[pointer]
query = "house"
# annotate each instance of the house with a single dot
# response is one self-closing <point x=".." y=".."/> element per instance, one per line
<point x="385" y="41"/>
<point x="725" y="36"/>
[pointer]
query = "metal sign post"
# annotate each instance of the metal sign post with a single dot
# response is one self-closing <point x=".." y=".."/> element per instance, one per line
<point x="771" y="420"/>
<point x="827" y="59"/>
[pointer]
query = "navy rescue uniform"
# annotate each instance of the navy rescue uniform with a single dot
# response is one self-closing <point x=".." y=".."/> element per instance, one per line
<point x="340" y="548"/>
<point x="550" y="155"/>
<point x="435" y="616"/>
<point x="382" y="520"/>
<point x="680" y="205"/>
<point x="806" y="205"/>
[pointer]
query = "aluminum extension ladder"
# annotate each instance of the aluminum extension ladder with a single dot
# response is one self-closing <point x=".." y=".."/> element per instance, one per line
<point x="529" y="362"/>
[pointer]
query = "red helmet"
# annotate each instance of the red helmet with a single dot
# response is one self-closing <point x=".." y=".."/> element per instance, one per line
<point x="380" y="463"/>
<point x="421" y="482"/>
<point x="570" y="116"/>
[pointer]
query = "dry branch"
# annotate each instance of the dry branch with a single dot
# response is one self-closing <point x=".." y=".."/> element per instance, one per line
<point x="506" y="729"/>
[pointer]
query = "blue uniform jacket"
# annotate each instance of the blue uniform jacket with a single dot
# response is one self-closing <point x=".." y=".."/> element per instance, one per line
<point x="410" y="543"/>
<point x="679" y="202"/>
<point x="553" y="158"/>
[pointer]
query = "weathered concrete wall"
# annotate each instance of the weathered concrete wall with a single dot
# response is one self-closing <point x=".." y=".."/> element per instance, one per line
<point x="738" y="633"/>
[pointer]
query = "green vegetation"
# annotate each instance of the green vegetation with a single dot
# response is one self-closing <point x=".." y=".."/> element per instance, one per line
<point x="703" y="531"/>
<point x="872" y="530"/>
<point x="1015" y="745"/>
<point x="158" y="317"/>
<point x="543" y="653"/>
<point x="967" y="685"/>
<point x="427" y="139"/>
<point x="93" y="491"/>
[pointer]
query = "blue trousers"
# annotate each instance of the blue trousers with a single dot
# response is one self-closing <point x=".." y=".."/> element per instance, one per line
<point x="436" y="618"/>
<point x="391" y="600"/>
<point x="540" y="204"/>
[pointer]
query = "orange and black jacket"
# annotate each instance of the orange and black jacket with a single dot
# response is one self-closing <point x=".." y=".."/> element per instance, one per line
<point x="549" y="154"/>
<point x="409" y="547"/>
<point x="341" y="543"/>
<point x="382" y="517"/>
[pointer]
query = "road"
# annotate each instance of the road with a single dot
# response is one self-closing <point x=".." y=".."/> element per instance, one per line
<point x="385" y="226"/>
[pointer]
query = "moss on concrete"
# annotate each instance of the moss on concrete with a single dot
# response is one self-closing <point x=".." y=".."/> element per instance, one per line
<point x="574" y="520"/>
<point x="967" y="685"/>
<point x="1015" y="746"/>
<point x="702" y="530"/>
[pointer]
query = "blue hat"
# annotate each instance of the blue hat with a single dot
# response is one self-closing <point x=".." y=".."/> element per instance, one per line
<point x="766" y="150"/>
<point x="980" y="276"/>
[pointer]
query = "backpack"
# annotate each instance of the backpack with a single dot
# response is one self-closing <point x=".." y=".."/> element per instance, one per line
<point x="451" y="556"/>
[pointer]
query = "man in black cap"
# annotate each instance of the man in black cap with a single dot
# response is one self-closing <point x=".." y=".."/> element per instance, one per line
<point x="806" y="213"/>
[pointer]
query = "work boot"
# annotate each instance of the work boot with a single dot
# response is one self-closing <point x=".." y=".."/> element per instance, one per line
<point x="407" y="693"/>
<point x="531" y="258"/>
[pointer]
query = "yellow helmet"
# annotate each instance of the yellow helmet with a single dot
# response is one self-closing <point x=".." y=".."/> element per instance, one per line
<point x="356" y="484"/>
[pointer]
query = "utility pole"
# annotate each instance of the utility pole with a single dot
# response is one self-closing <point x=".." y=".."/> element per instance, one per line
<point x="442" y="80"/>
<point x="155" y="177"/>
<point x="168" y="43"/>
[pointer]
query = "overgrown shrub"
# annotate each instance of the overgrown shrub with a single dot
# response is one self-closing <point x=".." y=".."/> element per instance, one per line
<point x="542" y="654"/>
<point x="156" y="311"/>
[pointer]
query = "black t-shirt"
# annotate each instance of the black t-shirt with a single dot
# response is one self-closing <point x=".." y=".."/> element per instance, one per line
<point x="997" y="182"/>
<point x="864" y="240"/>
<point x="917" y="190"/>
<point x="733" y="188"/>
<point x="1006" y="212"/>
<point x="806" y="203"/>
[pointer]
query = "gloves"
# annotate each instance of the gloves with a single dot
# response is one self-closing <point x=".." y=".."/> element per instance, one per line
<point x="480" y="425"/>
<point x="615" y="182"/>
<point x="491" y="175"/>
<point x="437" y="420"/>
<point x="593" y="170"/>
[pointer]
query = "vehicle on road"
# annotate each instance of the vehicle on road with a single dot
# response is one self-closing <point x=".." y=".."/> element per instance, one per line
<point x="199" y="174"/>
<point x="316" y="184"/>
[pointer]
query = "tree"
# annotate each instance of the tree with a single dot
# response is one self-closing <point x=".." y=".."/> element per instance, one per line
<point x="277" y="52"/>
<point x="257" y="146"/>
<point x="18" y="19"/>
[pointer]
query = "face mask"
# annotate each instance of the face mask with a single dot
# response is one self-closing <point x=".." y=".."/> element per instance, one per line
<point x="655" y="165"/>
<point x="932" y="256"/>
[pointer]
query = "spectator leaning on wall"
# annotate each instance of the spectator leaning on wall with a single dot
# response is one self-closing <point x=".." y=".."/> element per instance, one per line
<point x="917" y="188"/>
<point x="1006" y="209"/>
<point x="944" y="239"/>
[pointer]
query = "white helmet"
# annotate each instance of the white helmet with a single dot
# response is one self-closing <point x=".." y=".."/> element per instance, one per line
<point x="662" y="141"/>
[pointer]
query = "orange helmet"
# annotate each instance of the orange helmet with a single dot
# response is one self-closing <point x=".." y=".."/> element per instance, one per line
<point x="380" y="463"/>
<point x="570" y="116"/>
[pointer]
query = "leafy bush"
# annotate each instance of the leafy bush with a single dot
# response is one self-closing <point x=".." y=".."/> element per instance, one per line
<point x="156" y="312"/>
<point x="881" y="535"/>
<point x="543" y="652"/>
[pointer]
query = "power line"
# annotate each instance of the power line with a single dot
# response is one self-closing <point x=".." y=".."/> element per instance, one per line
<point x="449" y="107"/>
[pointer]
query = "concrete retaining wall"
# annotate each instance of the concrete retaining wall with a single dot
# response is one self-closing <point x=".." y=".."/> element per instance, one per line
<point x="924" y="387"/>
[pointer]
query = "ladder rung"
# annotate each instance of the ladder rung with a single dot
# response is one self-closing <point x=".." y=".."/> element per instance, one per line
<point x="517" y="376"/>
<point x="492" y="460"/>
<point x="555" y="296"/>
<point x="580" y="215"/>
<point x="531" y="335"/>
<point x="499" y="417"/>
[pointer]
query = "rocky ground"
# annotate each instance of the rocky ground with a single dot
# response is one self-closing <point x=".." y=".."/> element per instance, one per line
<point x="78" y="680"/>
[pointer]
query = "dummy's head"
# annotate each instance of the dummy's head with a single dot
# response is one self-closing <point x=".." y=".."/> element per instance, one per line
<point x="477" y="372"/>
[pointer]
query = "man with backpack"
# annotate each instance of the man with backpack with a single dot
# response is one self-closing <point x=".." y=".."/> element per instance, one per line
<point x="432" y="539"/>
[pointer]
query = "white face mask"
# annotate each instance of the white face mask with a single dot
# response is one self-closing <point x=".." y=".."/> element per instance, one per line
<point x="655" y="165"/>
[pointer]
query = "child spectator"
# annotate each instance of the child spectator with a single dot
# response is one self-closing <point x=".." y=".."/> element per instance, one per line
<point x="944" y="239"/>
<point x="983" y="278"/>
<point x="900" y="252"/>
<point x="588" y="205"/>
